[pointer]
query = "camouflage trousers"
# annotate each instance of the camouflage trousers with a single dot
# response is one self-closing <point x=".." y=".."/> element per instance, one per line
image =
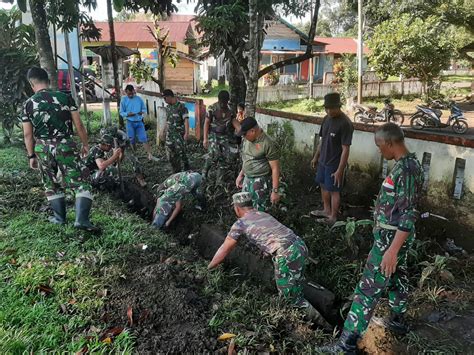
<point x="218" y="153"/>
<point x="176" y="153"/>
<point x="289" y="266"/>
<point x="374" y="282"/>
<point x="260" y="189"/>
<point x="61" y="166"/>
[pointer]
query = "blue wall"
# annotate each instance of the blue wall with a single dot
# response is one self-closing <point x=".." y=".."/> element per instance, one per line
<point x="281" y="44"/>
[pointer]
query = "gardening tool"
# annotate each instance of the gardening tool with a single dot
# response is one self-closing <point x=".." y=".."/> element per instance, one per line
<point x="119" y="168"/>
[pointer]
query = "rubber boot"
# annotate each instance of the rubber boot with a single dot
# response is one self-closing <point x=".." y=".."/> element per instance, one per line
<point x="83" y="208"/>
<point x="58" y="206"/>
<point x="395" y="322"/>
<point x="313" y="315"/>
<point x="346" y="344"/>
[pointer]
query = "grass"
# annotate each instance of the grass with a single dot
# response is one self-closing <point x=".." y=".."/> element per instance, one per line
<point x="458" y="78"/>
<point x="52" y="276"/>
<point x="305" y="106"/>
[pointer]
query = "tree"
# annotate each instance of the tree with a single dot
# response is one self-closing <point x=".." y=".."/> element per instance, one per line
<point x="17" y="54"/>
<point x="412" y="47"/>
<point x="236" y="28"/>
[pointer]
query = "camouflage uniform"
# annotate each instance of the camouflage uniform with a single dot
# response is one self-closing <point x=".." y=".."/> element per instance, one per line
<point x="174" y="189"/>
<point x="111" y="172"/>
<point x="50" y="114"/>
<point x="219" y="139"/>
<point x="395" y="208"/>
<point x="260" y="188"/>
<point x="176" y="115"/>
<point x="288" y="251"/>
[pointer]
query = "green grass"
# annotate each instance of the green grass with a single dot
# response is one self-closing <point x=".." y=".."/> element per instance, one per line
<point x="305" y="106"/>
<point x="458" y="78"/>
<point x="36" y="255"/>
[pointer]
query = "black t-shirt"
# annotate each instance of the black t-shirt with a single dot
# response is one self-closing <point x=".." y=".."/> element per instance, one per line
<point x="334" y="133"/>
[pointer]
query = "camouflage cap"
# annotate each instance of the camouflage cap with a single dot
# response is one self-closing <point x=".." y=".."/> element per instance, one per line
<point x="242" y="198"/>
<point x="107" y="139"/>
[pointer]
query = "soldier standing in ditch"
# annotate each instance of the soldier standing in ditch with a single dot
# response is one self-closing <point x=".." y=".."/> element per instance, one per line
<point x="218" y="128"/>
<point x="48" y="118"/>
<point x="394" y="231"/>
<point x="260" y="174"/>
<point x="177" y="132"/>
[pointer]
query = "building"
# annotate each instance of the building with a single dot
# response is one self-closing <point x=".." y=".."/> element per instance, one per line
<point x="184" y="78"/>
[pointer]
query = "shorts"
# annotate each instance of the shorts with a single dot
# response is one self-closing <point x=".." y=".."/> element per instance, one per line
<point x="324" y="178"/>
<point x="136" y="129"/>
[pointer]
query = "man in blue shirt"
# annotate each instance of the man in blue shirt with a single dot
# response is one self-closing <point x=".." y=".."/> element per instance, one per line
<point x="132" y="108"/>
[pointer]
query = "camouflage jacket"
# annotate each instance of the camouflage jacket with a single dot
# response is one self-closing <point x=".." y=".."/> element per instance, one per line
<point x="176" y="187"/>
<point x="176" y="115"/>
<point x="114" y="132"/>
<point x="95" y="153"/>
<point x="397" y="201"/>
<point x="264" y="231"/>
<point x="50" y="114"/>
<point x="221" y="119"/>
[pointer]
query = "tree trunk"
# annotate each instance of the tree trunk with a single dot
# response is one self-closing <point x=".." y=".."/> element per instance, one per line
<point x="236" y="84"/>
<point x="161" y="64"/>
<point x="113" y="46"/>
<point x="253" y="57"/>
<point x="43" y="41"/>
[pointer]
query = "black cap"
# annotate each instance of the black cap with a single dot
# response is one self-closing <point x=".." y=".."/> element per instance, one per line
<point x="167" y="92"/>
<point x="332" y="100"/>
<point x="246" y="125"/>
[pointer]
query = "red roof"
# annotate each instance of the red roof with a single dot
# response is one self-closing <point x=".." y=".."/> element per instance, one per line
<point x="339" y="45"/>
<point x="138" y="31"/>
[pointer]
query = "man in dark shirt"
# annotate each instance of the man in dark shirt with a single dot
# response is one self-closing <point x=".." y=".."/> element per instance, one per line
<point x="331" y="157"/>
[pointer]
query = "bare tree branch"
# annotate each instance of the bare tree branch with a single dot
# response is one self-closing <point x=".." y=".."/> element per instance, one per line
<point x="309" y="47"/>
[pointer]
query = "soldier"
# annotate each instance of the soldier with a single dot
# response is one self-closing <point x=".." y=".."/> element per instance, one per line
<point x="177" y="127"/>
<point x="394" y="231"/>
<point x="102" y="164"/>
<point x="172" y="192"/>
<point x="48" y="117"/>
<point x="260" y="174"/>
<point x="217" y="132"/>
<point x="132" y="109"/>
<point x="289" y="252"/>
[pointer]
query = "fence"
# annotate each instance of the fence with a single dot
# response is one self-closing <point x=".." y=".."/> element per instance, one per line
<point x="450" y="160"/>
<point x="369" y="89"/>
<point x="458" y="72"/>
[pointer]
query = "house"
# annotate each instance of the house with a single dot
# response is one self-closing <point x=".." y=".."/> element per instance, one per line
<point x="283" y="41"/>
<point x="184" y="78"/>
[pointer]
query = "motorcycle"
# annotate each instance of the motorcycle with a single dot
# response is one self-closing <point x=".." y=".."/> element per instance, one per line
<point x="370" y="114"/>
<point x="428" y="117"/>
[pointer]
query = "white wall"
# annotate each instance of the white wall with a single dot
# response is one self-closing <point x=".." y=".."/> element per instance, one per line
<point x="365" y="153"/>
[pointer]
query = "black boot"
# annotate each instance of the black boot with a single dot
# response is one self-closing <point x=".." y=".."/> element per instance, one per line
<point x="395" y="322"/>
<point x="58" y="206"/>
<point x="83" y="208"/>
<point x="346" y="344"/>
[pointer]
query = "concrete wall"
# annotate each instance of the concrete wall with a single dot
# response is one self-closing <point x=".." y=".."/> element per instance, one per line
<point x="444" y="150"/>
<point x="281" y="93"/>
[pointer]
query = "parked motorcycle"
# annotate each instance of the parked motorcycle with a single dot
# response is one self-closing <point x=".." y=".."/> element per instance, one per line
<point x="370" y="114"/>
<point x="428" y="117"/>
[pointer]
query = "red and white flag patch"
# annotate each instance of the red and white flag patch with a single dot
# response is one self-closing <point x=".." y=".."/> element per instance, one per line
<point x="388" y="183"/>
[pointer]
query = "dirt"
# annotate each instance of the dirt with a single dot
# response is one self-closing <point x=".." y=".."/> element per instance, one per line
<point x="168" y="313"/>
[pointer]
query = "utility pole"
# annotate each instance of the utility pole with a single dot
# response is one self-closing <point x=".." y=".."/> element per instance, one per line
<point x="360" y="54"/>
